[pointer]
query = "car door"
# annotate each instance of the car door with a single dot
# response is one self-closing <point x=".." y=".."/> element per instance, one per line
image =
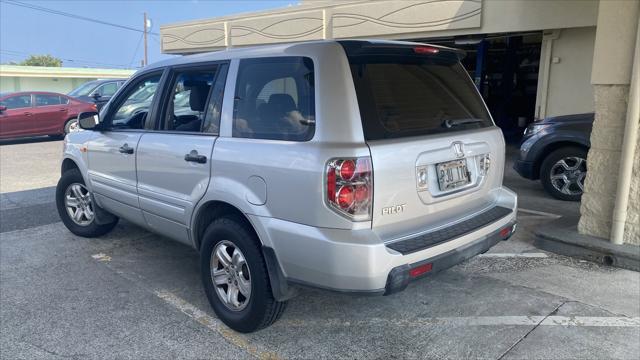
<point x="17" y="119"/>
<point x="49" y="114"/>
<point x="112" y="153"/>
<point x="174" y="162"/>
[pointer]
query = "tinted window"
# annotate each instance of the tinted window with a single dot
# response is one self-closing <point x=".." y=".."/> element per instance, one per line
<point x="107" y="89"/>
<point x="47" y="100"/>
<point x="192" y="106"/>
<point x="275" y="99"/>
<point x="403" y="96"/>
<point x="17" y="102"/>
<point x="64" y="100"/>
<point x="133" y="106"/>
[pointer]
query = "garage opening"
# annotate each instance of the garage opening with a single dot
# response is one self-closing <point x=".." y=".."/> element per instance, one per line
<point x="504" y="67"/>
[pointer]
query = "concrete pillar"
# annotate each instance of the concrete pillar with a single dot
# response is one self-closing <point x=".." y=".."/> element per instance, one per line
<point x="611" y="75"/>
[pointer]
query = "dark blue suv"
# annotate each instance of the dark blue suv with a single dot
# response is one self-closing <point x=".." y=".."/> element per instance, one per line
<point x="554" y="150"/>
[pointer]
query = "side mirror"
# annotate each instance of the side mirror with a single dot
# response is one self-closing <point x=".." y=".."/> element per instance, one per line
<point x="88" y="120"/>
<point x="96" y="96"/>
<point x="3" y="108"/>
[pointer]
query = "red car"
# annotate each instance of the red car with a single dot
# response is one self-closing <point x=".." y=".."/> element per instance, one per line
<point x="36" y="113"/>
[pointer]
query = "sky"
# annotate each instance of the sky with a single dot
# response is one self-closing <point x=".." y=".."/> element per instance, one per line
<point x="81" y="43"/>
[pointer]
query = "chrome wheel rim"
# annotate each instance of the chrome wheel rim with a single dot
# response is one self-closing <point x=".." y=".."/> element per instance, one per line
<point x="230" y="275"/>
<point x="568" y="174"/>
<point x="77" y="201"/>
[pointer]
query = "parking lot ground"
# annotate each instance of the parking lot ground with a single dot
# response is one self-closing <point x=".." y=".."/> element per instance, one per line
<point x="133" y="294"/>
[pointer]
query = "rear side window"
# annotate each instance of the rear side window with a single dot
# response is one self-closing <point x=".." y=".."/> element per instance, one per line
<point x="275" y="99"/>
<point x="401" y="96"/>
<point x="46" y="100"/>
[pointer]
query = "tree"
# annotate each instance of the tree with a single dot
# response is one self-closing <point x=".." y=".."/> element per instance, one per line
<point x="42" y="60"/>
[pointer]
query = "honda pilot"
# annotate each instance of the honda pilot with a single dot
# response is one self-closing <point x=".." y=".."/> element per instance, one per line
<point x="351" y="166"/>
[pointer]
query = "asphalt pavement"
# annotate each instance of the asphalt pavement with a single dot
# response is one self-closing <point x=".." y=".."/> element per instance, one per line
<point x="134" y="294"/>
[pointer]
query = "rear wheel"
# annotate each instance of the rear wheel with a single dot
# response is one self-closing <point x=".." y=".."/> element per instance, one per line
<point x="76" y="208"/>
<point x="235" y="278"/>
<point x="563" y="172"/>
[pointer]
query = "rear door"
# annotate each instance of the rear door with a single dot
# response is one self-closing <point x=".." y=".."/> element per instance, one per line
<point x="430" y="137"/>
<point x="174" y="160"/>
<point x="49" y="113"/>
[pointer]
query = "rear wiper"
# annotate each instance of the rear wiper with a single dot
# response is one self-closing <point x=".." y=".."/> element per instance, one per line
<point x="455" y="122"/>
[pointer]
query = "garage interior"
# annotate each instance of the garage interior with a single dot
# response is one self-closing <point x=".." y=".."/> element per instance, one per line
<point x="505" y="68"/>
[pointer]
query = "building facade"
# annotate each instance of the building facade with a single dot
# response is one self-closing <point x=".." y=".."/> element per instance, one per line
<point x="56" y="79"/>
<point x="530" y="60"/>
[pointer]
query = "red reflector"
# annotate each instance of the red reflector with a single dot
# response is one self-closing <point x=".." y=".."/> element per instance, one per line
<point x="505" y="232"/>
<point x="425" y="50"/>
<point x="419" y="270"/>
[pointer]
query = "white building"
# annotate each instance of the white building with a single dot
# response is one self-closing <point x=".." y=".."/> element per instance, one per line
<point x="531" y="59"/>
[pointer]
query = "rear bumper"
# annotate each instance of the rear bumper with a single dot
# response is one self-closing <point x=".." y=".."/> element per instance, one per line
<point x="358" y="261"/>
<point x="525" y="169"/>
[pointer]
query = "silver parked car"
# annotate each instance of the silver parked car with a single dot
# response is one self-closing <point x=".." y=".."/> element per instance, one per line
<point x="352" y="166"/>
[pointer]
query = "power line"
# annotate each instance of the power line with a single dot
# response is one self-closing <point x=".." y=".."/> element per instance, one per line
<point x="73" y="16"/>
<point x="136" y="51"/>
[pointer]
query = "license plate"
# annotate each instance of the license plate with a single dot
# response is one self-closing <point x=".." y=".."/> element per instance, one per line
<point x="453" y="174"/>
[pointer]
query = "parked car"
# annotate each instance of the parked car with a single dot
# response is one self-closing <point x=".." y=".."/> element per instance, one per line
<point x="554" y="150"/>
<point x="98" y="91"/>
<point x="352" y="166"/>
<point x="39" y="113"/>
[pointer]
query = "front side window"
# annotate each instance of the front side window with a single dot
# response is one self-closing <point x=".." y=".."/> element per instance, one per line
<point x="107" y="89"/>
<point x="275" y="99"/>
<point x="83" y="90"/>
<point x="17" y="102"/>
<point x="47" y="100"/>
<point x="133" y="107"/>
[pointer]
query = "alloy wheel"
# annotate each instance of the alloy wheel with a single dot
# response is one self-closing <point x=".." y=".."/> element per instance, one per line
<point x="568" y="174"/>
<point x="77" y="201"/>
<point x="231" y="276"/>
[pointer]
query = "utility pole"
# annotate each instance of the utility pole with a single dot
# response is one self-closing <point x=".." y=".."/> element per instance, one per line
<point x="145" y="40"/>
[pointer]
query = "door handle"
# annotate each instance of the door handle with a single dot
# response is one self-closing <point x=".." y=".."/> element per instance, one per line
<point x="63" y="109"/>
<point x="125" y="149"/>
<point x="28" y="114"/>
<point x="194" y="157"/>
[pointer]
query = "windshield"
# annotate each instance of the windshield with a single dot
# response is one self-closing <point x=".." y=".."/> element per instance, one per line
<point x="407" y="95"/>
<point x="84" y="89"/>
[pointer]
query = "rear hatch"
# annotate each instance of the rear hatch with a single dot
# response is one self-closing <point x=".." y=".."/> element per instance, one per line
<point x="435" y="151"/>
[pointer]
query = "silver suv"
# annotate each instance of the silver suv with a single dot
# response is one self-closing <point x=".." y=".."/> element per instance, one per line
<point x="352" y="166"/>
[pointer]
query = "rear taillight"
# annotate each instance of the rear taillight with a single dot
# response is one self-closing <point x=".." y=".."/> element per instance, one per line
<point x="349" y="188"/>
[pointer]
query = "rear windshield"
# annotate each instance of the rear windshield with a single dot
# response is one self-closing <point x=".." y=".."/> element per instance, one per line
<point x="411" y="95"/>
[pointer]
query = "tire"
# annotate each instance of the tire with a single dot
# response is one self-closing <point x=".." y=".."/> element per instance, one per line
<point x="260" y="308"/>
<point x="71" y="123"/>
<point x="554" y="175"/>
<point x="86" y="226"/>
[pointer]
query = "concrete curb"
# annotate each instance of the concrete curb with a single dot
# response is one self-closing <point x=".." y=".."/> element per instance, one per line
<point x="561" y="237"/>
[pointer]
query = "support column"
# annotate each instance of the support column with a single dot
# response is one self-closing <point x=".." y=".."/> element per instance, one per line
<point x="478" y="74"/>
<point x="611" y="75"/>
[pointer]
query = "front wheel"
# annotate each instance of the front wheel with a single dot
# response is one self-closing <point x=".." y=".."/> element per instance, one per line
<point x="235" y="278"/>
<point x="563" y="172"/>
<point x="76" y="207"/>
